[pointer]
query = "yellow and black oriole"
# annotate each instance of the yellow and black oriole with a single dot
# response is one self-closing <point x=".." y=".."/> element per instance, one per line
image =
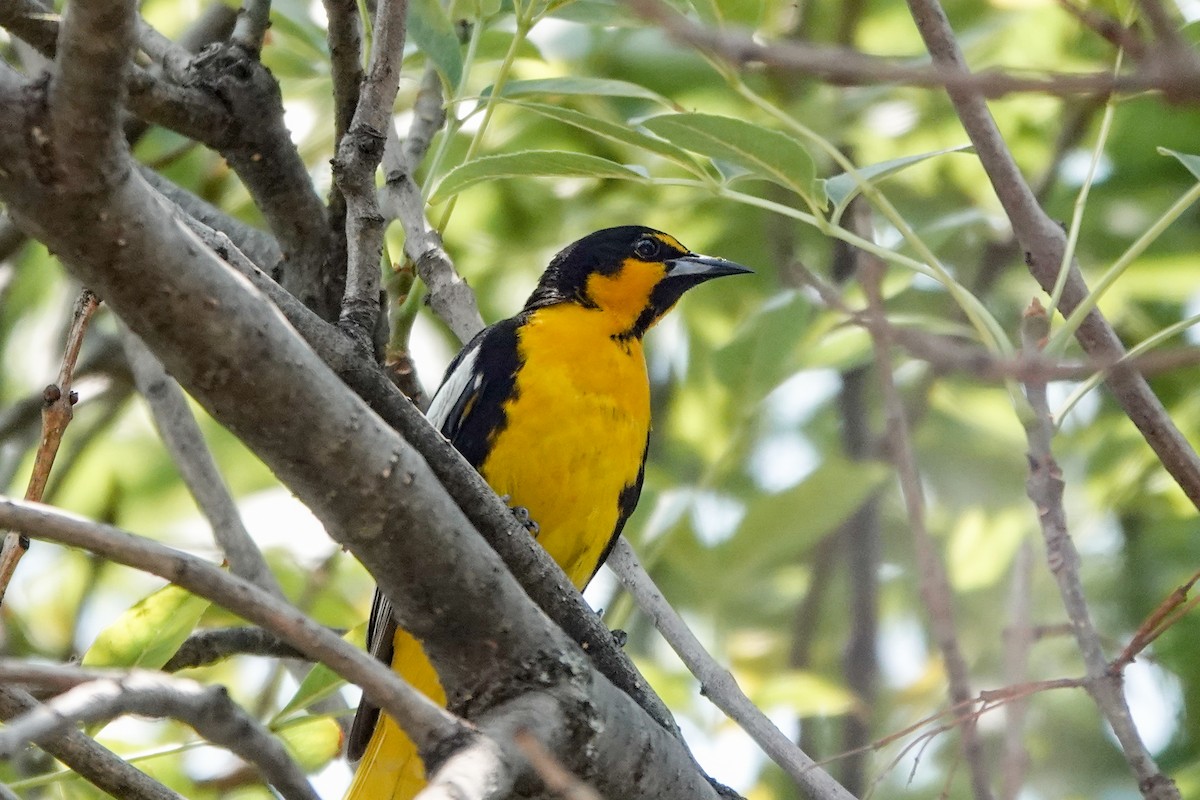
<point x="552" y="407"/>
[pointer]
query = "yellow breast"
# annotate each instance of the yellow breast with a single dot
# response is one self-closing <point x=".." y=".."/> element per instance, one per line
<point x="575" y="432"/>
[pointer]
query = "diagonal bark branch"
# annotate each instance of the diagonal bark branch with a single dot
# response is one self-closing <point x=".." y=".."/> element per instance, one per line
<point x="182" y="437"/>
<point x="424" y="719"/>
<point x="935" y="588"/>
<point x="1045" y="243"/>
<point x="717" y="684"/>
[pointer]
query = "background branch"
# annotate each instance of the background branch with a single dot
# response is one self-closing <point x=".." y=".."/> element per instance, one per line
<point x="1045" y="489"/>
<point x="931" y="573"/>
<point x="1045" y="241"/>
<point x="716" y="683"/>
<point x="185" y="443"/>
<point x="82" y="755"/>
<point x="100" y="697"/>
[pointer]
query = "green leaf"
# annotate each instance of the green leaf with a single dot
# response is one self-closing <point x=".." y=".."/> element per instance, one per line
<point x="321" y="681"/>
<point x="530" y="164"/>
<point x="751" y="360"/>
<point x="1191" y="162"/>
<point x="150" y="632"/>
<point x="433" y="32"/>
<point x="764" y="152"/>
<point x="778" y="527"/>
<point x="617" y="132"/>
<point x="982" y="547"/>
<point x="591" y="87"/>
<point x="313" y="741"/>
<point x="843" y="188"/>
<point x="806" y="694"/>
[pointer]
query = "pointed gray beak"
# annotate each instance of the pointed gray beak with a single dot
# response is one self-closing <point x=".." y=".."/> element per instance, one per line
<point x="701" y="268"/>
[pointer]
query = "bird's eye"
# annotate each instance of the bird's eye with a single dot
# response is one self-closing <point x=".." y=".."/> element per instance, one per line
<point x="646" y="248"/>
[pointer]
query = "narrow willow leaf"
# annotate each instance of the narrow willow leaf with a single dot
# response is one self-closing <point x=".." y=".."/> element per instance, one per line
<point x="1191" y="162"/>
<point x="148" y="633"/>
<point x="779" y="526"/>
<point x="617" y="132"/>
<point x="764" y="152"/>
<point x="595" y="87"/>
<point x="433" y="32"/>
<point x="843" y="188"/>
<point x="531" y="164"/>
<point x="313" y="742"/>
<point x="321" y="681"/>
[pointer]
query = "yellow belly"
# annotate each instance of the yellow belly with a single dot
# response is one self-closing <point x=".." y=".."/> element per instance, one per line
<point x="575" y="433"/>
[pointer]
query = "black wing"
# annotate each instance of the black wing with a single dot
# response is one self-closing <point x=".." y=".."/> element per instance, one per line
<point x="468" y="408"/>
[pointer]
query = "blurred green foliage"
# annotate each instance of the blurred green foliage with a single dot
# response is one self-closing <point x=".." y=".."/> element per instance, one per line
<point x="748" y="474"/>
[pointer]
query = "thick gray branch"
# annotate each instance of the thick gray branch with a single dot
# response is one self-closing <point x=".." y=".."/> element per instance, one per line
<point x="424" y="721"/>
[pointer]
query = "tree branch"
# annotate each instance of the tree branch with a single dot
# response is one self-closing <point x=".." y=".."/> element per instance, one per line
<point x="715" y="681"/>
<point x="185" y="443"/>
<point x="85" y="757"/>
<point x="209" y="646"/>
<point x="400" y="198"/>
<point x="257" y="245"/>
<point x="1045" y="489"/>
<point x="87" y="93"/>
<point x="424" y="720"/>
<point x="934" y="583"/>
<point x="1045" y="243"/>
<point x="258" y="146"/>
<point x="100" y="696"/>
<point x="253" y="20"/>
<point x="358" y="156"/>
<point x="1175" y="73"/>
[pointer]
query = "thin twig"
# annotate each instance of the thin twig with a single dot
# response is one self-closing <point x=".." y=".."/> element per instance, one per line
<point x="57" y="402"/>
<point x="84" y="757"/>
<point x="254" y="19"/>
<point x="934" y="583"/>
<point x="1044" y="241"/>
<point x="358" y="156"/>
<point x="715" y="681"/>
<point x="1177" y="77"/>
<point x="101" y="695"/>
<point x="1168" y="612"/>
<point x="557" y="778"/>
<point x="185" y="443"/>
<point x="400" y="198"/>
<point x="1045" y="489"/>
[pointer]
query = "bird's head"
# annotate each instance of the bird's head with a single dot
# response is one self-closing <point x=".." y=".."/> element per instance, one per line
<point x="631" y="274"/>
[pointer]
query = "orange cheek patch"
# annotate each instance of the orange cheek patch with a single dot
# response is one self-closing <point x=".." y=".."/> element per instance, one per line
<point x="624" y="294"/>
